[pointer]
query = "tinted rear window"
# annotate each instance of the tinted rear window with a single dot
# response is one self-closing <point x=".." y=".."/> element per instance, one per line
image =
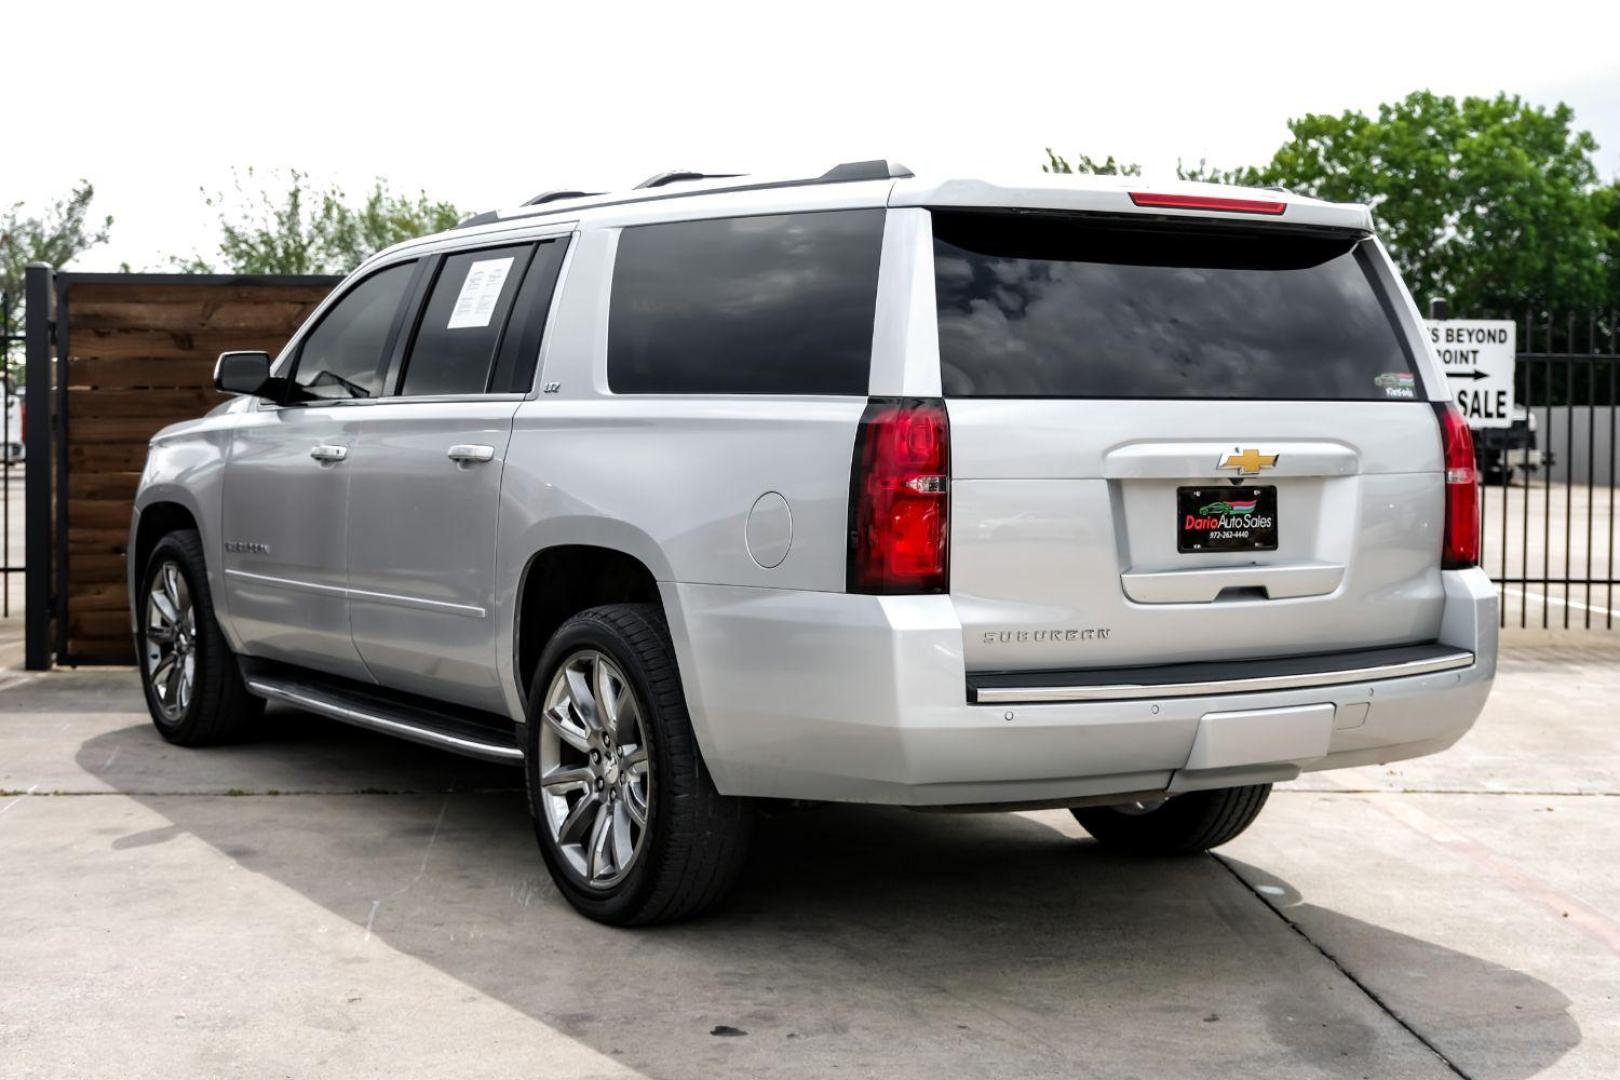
<point x="1046" y="306"/>
<point x="779" y="304"/>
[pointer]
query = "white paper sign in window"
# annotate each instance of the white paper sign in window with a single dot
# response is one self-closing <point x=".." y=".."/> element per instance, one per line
<point x="476" y="303"/>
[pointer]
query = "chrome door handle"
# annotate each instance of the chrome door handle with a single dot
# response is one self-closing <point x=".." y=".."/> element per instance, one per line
<point x="471" y="452"/>
<point x="328" y="452"/>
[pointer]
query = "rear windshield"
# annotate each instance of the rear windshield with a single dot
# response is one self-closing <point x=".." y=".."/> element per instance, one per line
<point x="1046" y="306"/>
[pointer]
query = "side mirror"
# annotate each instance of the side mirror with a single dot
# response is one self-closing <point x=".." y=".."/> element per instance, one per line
<point x="243" y="373"/>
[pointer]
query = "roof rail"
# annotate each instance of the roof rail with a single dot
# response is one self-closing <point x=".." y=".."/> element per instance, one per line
<point x="844" y="173"/>
<point x="876" y="169"/>
<point x="561" y="193"/>
<point x="676" y="176"/>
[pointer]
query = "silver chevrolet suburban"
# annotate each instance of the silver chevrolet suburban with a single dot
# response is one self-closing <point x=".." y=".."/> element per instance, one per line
<point x="1078" y="492"/>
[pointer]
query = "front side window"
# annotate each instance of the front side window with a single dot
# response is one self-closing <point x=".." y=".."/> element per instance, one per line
<point x="342" y="357"/>
<point x="462" y="322"/>
<point x="777" y="304"/>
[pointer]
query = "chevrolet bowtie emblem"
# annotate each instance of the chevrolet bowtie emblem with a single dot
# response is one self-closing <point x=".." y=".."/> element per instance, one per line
<point x="1248" y="462"/>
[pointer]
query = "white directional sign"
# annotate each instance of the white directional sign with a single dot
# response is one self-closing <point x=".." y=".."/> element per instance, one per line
<point x="1477" y="355"/>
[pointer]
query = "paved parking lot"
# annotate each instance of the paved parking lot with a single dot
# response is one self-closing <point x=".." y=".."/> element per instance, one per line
<point x="323" y="902"/>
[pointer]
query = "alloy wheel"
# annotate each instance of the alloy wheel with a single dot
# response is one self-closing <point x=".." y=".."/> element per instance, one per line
<point x="169" y="638"/>
<point x="595" y="773"/>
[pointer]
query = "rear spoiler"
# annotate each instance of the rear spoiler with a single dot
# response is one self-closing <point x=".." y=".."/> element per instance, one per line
<point x="1132" y="196"/>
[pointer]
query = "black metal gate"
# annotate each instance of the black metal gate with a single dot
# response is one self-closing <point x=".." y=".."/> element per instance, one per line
<point x="1549" y="482"/>
<point x="12" y="455"/>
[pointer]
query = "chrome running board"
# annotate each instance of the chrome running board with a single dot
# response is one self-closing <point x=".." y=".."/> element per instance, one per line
<point x="403" y="721"/>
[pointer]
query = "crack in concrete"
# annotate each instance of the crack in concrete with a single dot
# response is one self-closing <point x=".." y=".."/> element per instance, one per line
<point x="1344" y="970"/>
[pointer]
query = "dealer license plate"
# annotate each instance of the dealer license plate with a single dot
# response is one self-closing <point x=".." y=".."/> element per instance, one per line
<point x="1226" y="519"/>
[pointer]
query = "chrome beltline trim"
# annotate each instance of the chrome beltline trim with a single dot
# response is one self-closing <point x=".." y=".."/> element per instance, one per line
<point x="362" y="594"/>
<point x="360" y="718"/>
<point x="1138" y="691"/>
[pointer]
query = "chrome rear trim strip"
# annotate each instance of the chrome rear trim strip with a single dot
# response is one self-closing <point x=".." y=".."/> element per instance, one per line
<point x="1138" y="691"/>
<point x="388" y="726"/>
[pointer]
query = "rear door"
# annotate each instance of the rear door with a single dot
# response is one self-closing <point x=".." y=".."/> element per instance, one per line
<point x="426" y="477"/>
<point x="1177" y="441"/>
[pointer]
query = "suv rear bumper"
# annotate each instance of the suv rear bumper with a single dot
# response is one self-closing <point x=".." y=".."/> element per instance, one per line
<point x="810" y="695"/>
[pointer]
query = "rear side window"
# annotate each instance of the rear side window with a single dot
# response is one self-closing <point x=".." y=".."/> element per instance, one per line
<point x="1048" y="306"/>
<point x="462" y="322"/>
<point x="342" y="356"/>
<point x="520" y="348"/>
<point x="779" y="304"/>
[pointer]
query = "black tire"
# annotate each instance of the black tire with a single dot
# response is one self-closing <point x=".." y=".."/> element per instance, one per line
<point x="695" y="839"/>
<point x="220" y="708"/>
<point x="1182" y="825"/>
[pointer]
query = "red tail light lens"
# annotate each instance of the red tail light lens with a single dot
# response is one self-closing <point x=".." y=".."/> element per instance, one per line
<point x="1167" y="201"/>
<point x="899" y="513"/>
<point x="1460" y="549"/>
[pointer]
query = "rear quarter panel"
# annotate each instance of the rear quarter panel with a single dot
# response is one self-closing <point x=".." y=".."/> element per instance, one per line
<point x="668" y="479"/>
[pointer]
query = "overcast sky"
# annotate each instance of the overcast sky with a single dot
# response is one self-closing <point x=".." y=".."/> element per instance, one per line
<point x="486" y="104"/>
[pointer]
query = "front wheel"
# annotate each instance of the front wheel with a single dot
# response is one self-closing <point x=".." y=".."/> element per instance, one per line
<point x="1180" y="825"/>
<point x="194" y="690"/>
<point x="627" y="818"/>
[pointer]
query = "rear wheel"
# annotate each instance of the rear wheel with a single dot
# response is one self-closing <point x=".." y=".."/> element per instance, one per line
<point x="194" y="690"/>
<point x="627" y="818"/>
<point x="1181" y="825"/>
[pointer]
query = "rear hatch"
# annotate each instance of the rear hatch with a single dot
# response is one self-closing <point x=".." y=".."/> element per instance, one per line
<point x="1174" y="440"/>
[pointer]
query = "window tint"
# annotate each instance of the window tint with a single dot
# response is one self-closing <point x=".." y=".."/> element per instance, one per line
<point x="462" y="321"/>
<point x="340" y="358"/>
<point x="1045" y="306"/>
<point x="520" y="348"/>
<point x="780" y="304"/>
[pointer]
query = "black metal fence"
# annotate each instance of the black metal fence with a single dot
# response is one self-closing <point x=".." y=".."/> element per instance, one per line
<point x="1549" y="482"/>
<point x="12" y="456"/>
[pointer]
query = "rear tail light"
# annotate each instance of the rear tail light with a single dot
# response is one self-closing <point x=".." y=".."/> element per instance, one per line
<point x="1460" y="549"/>
<point x="1167" y="201"/>
<point x="899" y="498"/>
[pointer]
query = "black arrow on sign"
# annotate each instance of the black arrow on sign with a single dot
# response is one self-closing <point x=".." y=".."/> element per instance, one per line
<point x="1475" y="374"/>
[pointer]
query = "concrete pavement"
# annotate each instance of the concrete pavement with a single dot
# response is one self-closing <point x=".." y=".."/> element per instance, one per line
<point x="324" y="902"/>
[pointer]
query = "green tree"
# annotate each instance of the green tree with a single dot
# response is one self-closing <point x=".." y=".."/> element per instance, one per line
<point x="58" y="235"/>
<point x="1491" y="202"/>
<point x="1608" y="200"/>
<point x="1206" y="173"/>
<point x="302" y="229"/>
<point x="1083" y="163"/>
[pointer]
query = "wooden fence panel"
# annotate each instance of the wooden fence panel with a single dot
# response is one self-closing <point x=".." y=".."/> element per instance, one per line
<point x="139" y="354"/>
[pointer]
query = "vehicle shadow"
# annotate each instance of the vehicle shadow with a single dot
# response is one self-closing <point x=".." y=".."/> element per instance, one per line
<point x="288" y="751"/>
<point x="878" y="941"/>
